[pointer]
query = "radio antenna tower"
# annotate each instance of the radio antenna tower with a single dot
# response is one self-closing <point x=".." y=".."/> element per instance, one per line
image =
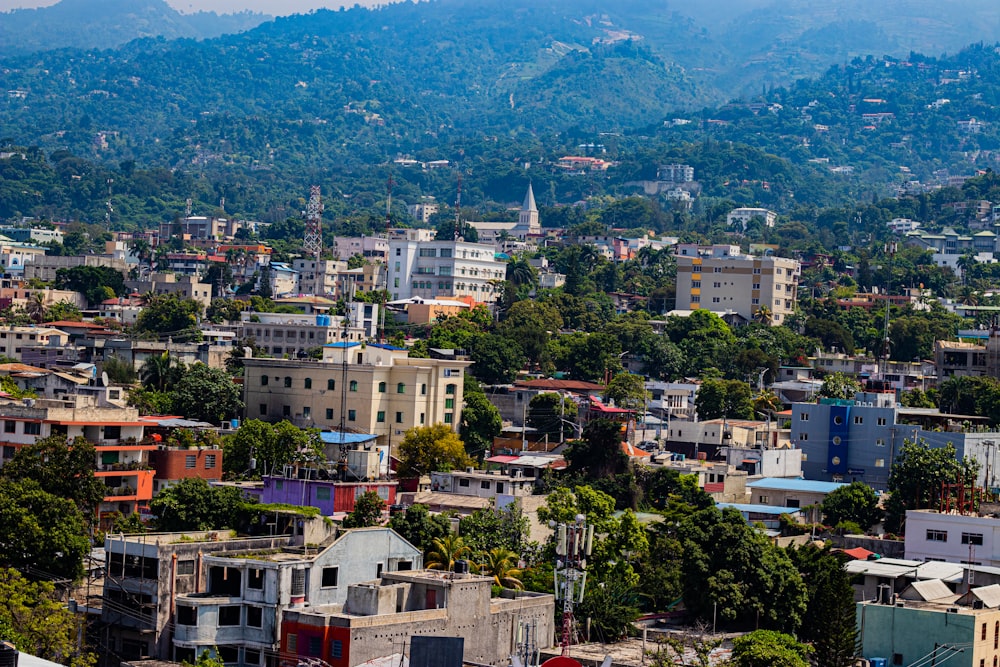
<point x="312" y="244"/>
<point x="573" y="544"/>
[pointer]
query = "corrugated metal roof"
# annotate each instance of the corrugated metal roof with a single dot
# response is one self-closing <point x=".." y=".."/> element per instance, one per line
<point x="795" y="484"/>
<point x="760" y="509"/>
<point x="927" y="590"/>
<point x="988" y="595"/>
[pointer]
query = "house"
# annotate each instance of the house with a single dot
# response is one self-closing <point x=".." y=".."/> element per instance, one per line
<point x="14" y="338"/>
<point x="330" y="496"/>
<point x="248" y="594"/>
<point x="380" y="617"/>
<point x="790" y="492"/>
<point x="482" y="483"/>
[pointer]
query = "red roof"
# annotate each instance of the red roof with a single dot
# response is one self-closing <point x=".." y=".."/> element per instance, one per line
<point x="66" y="324"/>
<point x="858" y="553"/>
<point x="600" y="407"/>
<point x="560" y="385"/>
<point x="502" y="458"/>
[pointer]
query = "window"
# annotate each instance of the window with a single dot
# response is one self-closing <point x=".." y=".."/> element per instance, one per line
<point x="292" y="643"/>
<point x="381" y="387"/>
<point x="330" y="576"/>
<point x="307" y="412"/>
<point x="803" y="416"/>
<point x="315" y="646"/>
<point x="322" y="493"/>
<point x="983" y="633"/>
<point x="421" y="417"/>
<point x="187" y="615"/>
<point x="255" y="617"/>
<point x="263" y="408"/>
<point x="32" y="428"/>
<point x="255" y="579"/>
<point x="879" y="463"/>
<point x="881" y="421"/>
<point x="449" y="404"/>
<point x="450" y="389"/>
<point x="354" y="385"/>
<point x="859" y="420"/>
<point x="331" y="385"/>
<point x="352" y="415"/>
<point x="401" y="388"/>
<point x="463" y="482"/>
<point x="9" y="426"/>
<point x="263" y="380"/>
<point x="937" y="535"/>
<point x="423" y="390"/>
<point x="336" y="649"/>
<point x="399" y="417"/>
<point x="380" y="416"/>
<point x="209" y="460"/>
<point x="803" y="436"/>
<point x="190" y="460"/>
<point x="975" y="539"/>
<point x="879" y="442"/>
<point x="286" y="411"/>
<point x="288" y="382"/>
<point x="449" y="418"/>
<point x="485" y="484"/>
<point x="229" y="615"/>
<point x="308" y="383"/>
<point x="185" y="567"/>
<point x="695" y="284"/>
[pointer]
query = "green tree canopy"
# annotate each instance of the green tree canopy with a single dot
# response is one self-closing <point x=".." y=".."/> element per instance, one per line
<point x="717" y="398"/>
<point x="839" y="385"/>
<point x="491" y="528"/>
<point x="481" y="422"/>
<point x="628" y="391"/>
<point x="495" y="359"/>
<point x="599" y="454"/>
<point x="97" y="283"/>
<point x="552" y="415"/>
<point x="207" y="394"/>
<point x="419" y="527"/>
<point x="169" y="316"/>
<point x="368" y="508"/>
<point x="856" y="503"/>
<point x="66" y="470"/>
<point x="766" y="648"/>
<point x="192" y="504"/>
<point x="425" y="449"/>
<point x="916" y="476"/>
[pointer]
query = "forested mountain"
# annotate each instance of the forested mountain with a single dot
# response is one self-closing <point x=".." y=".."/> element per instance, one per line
<point x="102" y="24"/>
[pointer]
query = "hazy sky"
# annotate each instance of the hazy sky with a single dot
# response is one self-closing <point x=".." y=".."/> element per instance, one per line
<point x="273" y="7"/>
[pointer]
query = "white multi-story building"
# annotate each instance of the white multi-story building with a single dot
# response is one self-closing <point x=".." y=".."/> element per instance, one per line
<point x="675" y="173"/>
<point x="720" y="278"/>
<point x="432" y="269"/>
<point x="295" y="335"/>
<point x="318" y="277"/>
<point x="954" y="538"/>
<point x="739" y="217"/>
<point x="372" y="248"/>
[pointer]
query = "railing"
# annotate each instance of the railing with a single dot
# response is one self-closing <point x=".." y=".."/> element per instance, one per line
<point x="124" y="467"/>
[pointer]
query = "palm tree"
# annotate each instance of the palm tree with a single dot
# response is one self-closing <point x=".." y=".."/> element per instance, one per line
<point x="445" y="551"/>
<point x="520" y="273"/>
<point x="157" y="371"/>
<point x="764" y="315"/>
<point x="35" y="307"/>
<point x="502" y="564"/>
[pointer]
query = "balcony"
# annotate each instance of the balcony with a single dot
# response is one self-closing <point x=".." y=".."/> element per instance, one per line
<point x="126" y="467"/>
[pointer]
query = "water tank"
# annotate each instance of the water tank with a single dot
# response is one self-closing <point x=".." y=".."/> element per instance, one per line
<point x="461" y="567"/>
<point x="8" y="655"/>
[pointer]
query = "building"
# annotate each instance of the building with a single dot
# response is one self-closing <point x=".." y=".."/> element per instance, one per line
<point x="295" y="335"/>
<point x="383" y="391"/>
<point x="379" y="618"/>
<point x="174" y="464"/>
<point x="184" y="286"/>
<point x="675" y="173"/>
<point x="200" y="228"/>
<point x="725" y="483"/>
<point x="318" y="277"/>
<point x="789" y="492"/>
<point x="14" y="338"/>
<point x="331" y="497"/>
<point x="422" y="210"/>
<point x="720" y="278"/>
<point x="45" y="267"/>
<point x="372" y="248"/>
<point x="927" y="624"/>
<point x="964" y="358"/>
<point x="32" y="234"/>
<point x="740" y="217"/>
<point x="241" y="613"/>
<point x="447" y="268"/>
<point x="144" y="573"/>
<point x="527" y="224"/>
<point x="932" y="535"/>
<point x="482" y="483"/>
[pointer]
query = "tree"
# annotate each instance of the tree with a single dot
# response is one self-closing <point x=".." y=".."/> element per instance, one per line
<point x="159" y="372"/>
<point x="491" y="528"/>
<point x="501" y="564"/>
<point x="44" y="535"/>
<point x="717" y="398"/>
<point x="531" y="325"/>
<point x="268" y="447"/>
<point x="192" y="504"/>
<point x="425" y="449"/>
<point x="65" y="470"/>
<point x="628" y="391"/>
<point x="169" y="316"/>
<point x="419" y="527"/>
<point x="838" y="385"/>
<point x="445" y="551"/>
<point x="38" y="622"/>
<point x="766" y="648"/>
<point x="63" y="311"/>
<point x="119" y="371"/>
<point x="599" y="454"/>
<point x="855" y="502"/>
<point x="552" y="415"/>
<point x="207" y="394"/>
<point x="495" y="359"/>
<point x="829" y="622"/>
<point x="916" y="477"/>
<point x="35" y="307"/>
<point x="481" y="422"/>
<point x="367" y="511"/>
<point x="612" y="606"/>
<point x="97" y="283"/>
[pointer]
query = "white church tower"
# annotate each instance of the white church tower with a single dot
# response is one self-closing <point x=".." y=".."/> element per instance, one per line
<point x="527" y="220"/>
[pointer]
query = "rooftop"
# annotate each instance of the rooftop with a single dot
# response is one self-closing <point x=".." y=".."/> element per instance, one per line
<point x="795" y="484"/>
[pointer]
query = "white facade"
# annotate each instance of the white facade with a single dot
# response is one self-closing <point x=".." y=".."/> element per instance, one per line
<point x="739" y="217"/>
<point x="954" y="538"/>
<point x="482" y="484"/>
<point x="443" y="268"/>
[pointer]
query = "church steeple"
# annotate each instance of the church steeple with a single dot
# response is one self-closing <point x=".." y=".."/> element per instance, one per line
<point x="527" y="220"/>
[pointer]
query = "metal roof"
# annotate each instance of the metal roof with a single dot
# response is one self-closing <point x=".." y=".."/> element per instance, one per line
<point x="927" y="590"/>
<point x="988" y="595"/>
<point x="795" y="484"/>
<point x="747" y="508"/>
<point x="340" y="438"/>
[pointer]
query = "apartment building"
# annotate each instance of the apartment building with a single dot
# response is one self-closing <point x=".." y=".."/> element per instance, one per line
<point x="720" y="278"/>
<point x="45" y="267"/>
<point x="318" y="277"/>
<point x="932" y="535"/>
<point x="445" y="268"/>
<point x="185" y="286"/>
<point x="201" y="228"/>
<point x="372" y="248"/>
<point x="482" y="483"/>
<point x="295" y="335"/>
<point x="382" y="390"/>
<point x="739" y="217"/>
<point x="379" y="619"/>
<point x="14" y="338"/>
<point x="239" y="617"/>
<point x="675" y="173"/>
<point x="965" y="358"/>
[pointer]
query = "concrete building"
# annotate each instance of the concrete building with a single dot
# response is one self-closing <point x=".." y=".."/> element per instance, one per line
<point x="675" y="173"/>
<point x="200" y="228"/>
<point x="239" y="616"/>
<point x="417" y="310"/>
<point x="331" y="497"/>
<point x="379" y="618"/>
<point x="955" y="538"/>
<point x="14" y="338"/>
<point x="739" y="217"/>
<point x="318" y="277"/>
<point x="32" y="234"/>
<point x="482" y="483"/>
<point x="789" y="492"/>
<point x="45" y="267"/>
<point x="720" y="278"/>
<point x="443" y="268"/>
<point x="287" y="333"/>
<point x="725" y="483"/>
<point x="527" y="224"/>
<point x="423" y="210"/>
<point x="185" y="286"/>
<point x="954" y="358"/>
<point x="384" y="391"/>
<point x="372" y="248"/>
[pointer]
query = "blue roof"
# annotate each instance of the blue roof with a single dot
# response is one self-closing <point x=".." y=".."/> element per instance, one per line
<point x="795" y="484"/>
<point x="342" y="344"/>
<point x="385" y="346"/>
<point x="747" y="508"/>
<point x="339" y="438"/>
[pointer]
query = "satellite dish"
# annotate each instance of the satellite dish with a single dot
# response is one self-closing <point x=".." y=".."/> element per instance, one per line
<point x="104" y="379"/>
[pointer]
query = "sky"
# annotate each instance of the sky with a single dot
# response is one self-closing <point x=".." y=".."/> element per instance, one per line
<point x="272" y="7"/>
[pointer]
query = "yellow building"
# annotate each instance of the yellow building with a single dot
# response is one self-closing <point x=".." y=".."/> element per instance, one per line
<point x="359" y="388"/>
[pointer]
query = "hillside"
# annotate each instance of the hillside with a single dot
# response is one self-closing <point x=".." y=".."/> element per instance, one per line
<point x="90" y="24"/>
